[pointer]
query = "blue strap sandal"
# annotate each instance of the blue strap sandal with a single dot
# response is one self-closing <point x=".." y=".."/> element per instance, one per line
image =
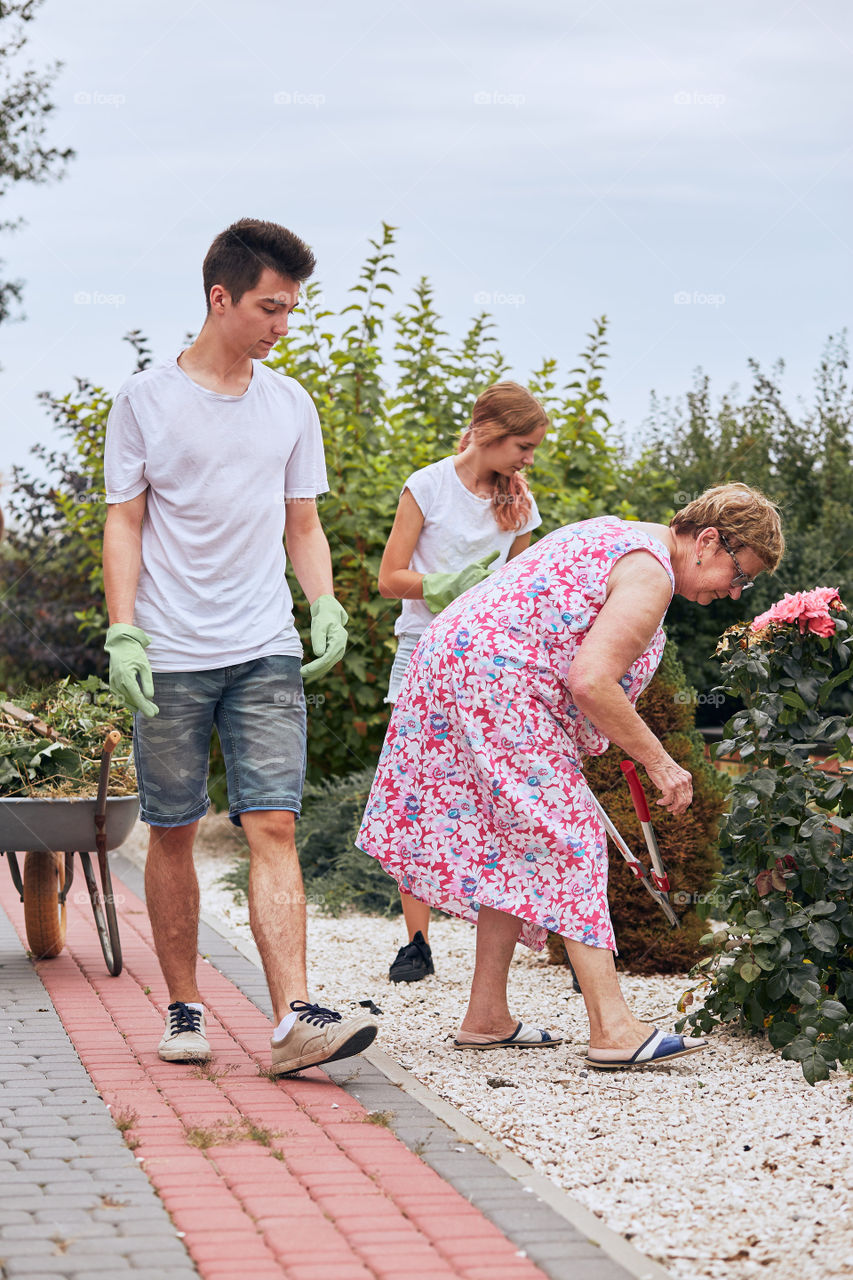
<point x="654" y="1052"/>
<point x="522" y="1038"/>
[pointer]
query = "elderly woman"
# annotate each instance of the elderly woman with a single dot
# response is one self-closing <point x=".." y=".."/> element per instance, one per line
<point x="480" y="807"/>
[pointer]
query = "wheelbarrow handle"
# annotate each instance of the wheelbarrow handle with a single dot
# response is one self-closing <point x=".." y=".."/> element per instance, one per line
<point x="111" y="741"/>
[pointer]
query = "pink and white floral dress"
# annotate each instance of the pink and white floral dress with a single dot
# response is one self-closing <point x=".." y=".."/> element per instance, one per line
<point x="479" y="798"/>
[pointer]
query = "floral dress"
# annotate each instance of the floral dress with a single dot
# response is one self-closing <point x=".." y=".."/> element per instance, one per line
<point x="479" y="797"/>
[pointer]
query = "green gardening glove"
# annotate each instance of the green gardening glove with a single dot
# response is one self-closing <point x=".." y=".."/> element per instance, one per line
<point x="441" y="588"/>
<point x="328" y="637"/>
<point x="130" y="671"/>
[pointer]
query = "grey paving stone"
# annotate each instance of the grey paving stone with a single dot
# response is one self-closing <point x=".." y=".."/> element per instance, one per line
<point x="61" y="1154"/>
<point x="63" y="1266"/>
<point x="36" y="1230"/>
<point x="156" y="1273"/>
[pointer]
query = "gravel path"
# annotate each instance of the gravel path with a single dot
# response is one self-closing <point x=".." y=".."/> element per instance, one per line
<point x="725" y="1165"/>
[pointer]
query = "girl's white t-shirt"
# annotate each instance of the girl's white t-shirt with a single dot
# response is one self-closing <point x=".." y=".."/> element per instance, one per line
<point x="217" y="470"/>
<point x="459" y="528"/>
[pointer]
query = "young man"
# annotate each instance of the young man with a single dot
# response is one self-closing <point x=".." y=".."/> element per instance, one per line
<point x="209" y="459"/>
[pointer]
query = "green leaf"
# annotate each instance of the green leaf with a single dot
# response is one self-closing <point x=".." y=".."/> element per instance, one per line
<point x="823" y="935"/>
<point x="749" y="971"/>
<point x="781" y="1032"/>
<point x="777" y="984"/>
<point x="833" y="1011"/>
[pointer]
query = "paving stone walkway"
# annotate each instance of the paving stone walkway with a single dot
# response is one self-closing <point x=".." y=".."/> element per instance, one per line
<point x="218" y="1170"/>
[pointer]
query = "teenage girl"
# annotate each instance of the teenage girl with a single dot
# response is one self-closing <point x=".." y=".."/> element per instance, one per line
<point x="456" y="521"/>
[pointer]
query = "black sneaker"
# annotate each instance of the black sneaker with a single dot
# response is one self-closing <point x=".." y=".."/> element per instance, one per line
<point x="414" y="961"/>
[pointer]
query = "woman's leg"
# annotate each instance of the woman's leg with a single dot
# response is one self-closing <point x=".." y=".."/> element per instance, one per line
<point x="416" y="915"/>
<point x="488" y="1012"/>
<point x="612" y="1025"/>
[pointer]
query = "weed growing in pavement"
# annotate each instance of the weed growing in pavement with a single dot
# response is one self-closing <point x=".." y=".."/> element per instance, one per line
<point x="383" y="1118"/>
<point x="241" y="1130"/>
<point x="258" y="1134"/>
<point x="215" y="1134"/>
<point x="209" y="1071"/>
<point x="125" y="1119"/>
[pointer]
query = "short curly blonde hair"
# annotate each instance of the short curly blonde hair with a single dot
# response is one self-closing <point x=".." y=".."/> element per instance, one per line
<point x="743" y="515"/>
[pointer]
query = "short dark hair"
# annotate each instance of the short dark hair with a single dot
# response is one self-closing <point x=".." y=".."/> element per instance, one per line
<point x="240" y="253"/>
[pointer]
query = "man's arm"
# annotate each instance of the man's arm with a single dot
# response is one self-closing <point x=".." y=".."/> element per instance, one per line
<point x="123" y="556"/>
<point x="308" y="548"/>
<point x="312" y="563"/>
<point x="130" y="671"/>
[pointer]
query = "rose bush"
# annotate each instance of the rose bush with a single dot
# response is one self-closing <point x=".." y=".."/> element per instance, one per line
<point x="783" y="962"/>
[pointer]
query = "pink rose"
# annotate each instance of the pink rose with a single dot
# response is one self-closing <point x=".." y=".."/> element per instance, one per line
<point x="809" y="609"/>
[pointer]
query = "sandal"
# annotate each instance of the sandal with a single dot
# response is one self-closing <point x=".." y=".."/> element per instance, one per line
<point x="522" y="1038"/>
<point x="658" y="1049"/>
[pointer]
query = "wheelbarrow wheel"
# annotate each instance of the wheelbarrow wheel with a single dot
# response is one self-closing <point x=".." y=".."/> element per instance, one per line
<point x="44" y="915"/>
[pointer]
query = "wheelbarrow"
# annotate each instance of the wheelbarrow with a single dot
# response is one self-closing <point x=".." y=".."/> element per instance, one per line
<point x="40" y="828"/>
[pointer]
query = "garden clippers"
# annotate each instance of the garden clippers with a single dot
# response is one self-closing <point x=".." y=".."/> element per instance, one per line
<point x="660" y="896"/>
<point x="641" y="805"/>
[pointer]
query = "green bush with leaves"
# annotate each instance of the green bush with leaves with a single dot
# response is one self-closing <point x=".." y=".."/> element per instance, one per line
<point x="800" y="457"/>
<point x="784" y="960"/>
<point x="51" y="583"/>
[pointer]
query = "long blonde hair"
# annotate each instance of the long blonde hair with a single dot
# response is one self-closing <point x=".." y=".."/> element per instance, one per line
<point x="505" y="409"/>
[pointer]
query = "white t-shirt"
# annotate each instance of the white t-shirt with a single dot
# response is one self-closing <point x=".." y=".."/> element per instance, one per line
<point x="212" y="590"/>
<point x="459" y="528"/>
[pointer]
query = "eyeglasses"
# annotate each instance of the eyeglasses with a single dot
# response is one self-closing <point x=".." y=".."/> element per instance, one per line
<point x="741" y="579"/>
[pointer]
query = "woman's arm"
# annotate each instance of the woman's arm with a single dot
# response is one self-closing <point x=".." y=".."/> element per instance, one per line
<point x="521" y="543"/>
<point x="396" y="580"/>
<point x="639" y="592"/>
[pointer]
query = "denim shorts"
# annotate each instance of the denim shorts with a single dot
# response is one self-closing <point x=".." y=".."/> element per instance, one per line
<point x="258" y="709"/>
<point x="406" y="645"/>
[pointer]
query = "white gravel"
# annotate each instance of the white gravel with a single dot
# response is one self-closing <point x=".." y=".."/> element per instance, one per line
<point x="724" y="1165"/>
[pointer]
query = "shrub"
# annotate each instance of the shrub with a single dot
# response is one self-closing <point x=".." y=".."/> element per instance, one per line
<point x="51" y="583"/>
<point x="801" y="457"/>
<point x="784" y="962"/>
<point x="647" y="943"/>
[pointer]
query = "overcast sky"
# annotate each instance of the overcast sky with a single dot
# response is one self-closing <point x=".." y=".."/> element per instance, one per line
<point x="550" y="161"/>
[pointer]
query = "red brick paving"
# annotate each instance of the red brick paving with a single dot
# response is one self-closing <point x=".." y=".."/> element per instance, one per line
<point x="297" y="1190"/>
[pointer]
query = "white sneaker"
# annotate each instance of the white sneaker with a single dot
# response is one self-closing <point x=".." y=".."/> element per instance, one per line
<point x="320" y="1035"/>
<point x="184" y="1039"/>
